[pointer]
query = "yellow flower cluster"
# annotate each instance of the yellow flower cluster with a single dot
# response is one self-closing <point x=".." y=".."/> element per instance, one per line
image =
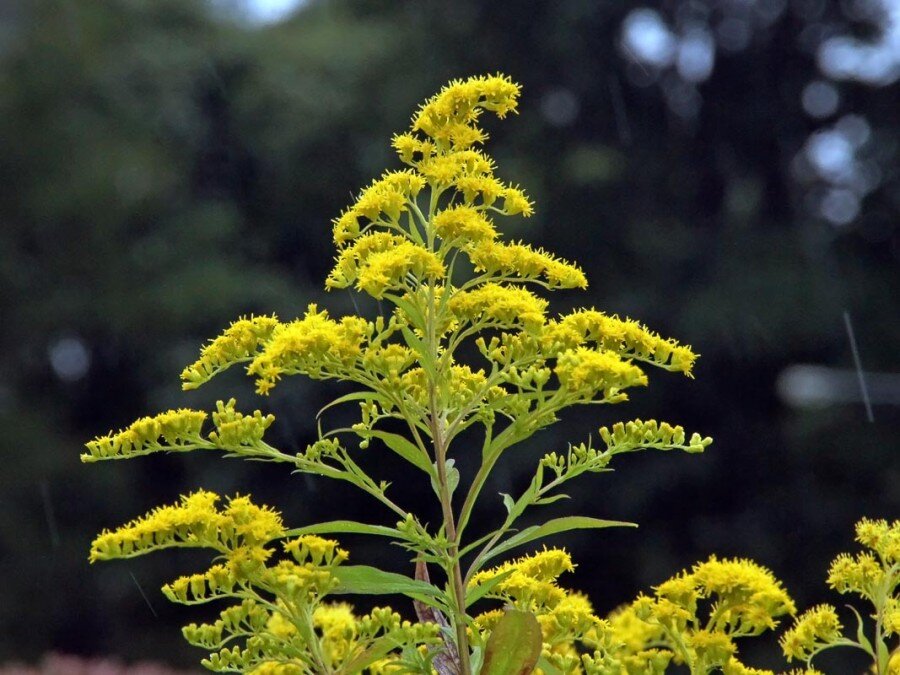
<point x="530" y="584"/>
<point x="173" y="430"/>
<point x="449" y="116"/>
<point x="814" y="629"/>
<point x="497" y="305"/>
<point x="463" y="222"/>
<point x="524" y="262"/>
<point x="586" y="371"/>
<point x="382" y="202"/>
<point x="238" y="343"/>
<point x="628" y="436"/>
<point x="745" y="600"/>
<point x="461" y="385"/>
<point x="625" y="337"/>
<point x="379" y="262"/>
<point x="881" y="537"/>
<point x="873" y="575"/>
<point x="194" y="522"/>
<point x="234" y="428"/>
<point x="315" y="345"/>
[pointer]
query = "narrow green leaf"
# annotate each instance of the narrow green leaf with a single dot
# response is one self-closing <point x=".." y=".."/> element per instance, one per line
<point x="514" y="646"/>
<point x="508" y="502"/>
<point x="861" y="633"/>
<point x="549" y="500"/>
<point x="353" y="396"/>
<point x="405" y="448"/>
<point x="366" y="580"/>
<point x="554" y="526"/>
<point x="884" y="655"/>
<point x="346" y="527"/>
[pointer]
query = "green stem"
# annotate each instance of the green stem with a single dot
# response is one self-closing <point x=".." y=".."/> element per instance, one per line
<point x="437" y="424"/>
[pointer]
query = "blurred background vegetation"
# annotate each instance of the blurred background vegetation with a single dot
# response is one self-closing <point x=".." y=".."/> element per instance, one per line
<point x="724" y="170"/>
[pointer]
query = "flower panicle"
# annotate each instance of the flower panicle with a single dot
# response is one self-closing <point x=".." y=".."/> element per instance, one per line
<point x="173" y="430"/>
<point x="628" y="436"/>
<point x="238" y="343"/>
<point x="194" y="521"/>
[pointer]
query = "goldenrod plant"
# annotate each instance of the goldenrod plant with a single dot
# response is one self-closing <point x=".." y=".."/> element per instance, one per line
<point x="465" y="344"/>
<point x="873" y="575"/>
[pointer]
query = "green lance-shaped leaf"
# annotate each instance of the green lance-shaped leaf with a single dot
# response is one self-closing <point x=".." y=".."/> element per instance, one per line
<point x="554" y="526"/>
<point x="366" y="580"/>
<point x="514" y="646"/>
<point x="405" y="449"/>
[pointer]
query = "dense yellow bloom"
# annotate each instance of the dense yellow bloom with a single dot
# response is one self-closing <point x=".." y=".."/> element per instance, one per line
<point x="504" y="305"/>
<point x="379" y="262"/>
<point x="461" y="385"/>
<point x="463" y="222"/>
<point x="861" y="574"/>
<point x="587" y="371"/>
<point x="195" y="522"/>
<point x="314" y="549"/>
<point x="812" y="630"/>
<point x="891" y="616"/>
<point x="240" y="342"/>
<point x="744" y="599"/>
<point x="314" y="345"/>
<point x="530" y="584"/>
<point x="234" y="428"/>
<point x="443" y="169"/>
<point x="386" y="198"/>
<point x="524" y="262"/>
<point x="172" y="430"/>
<point x="545" y="565"/>
<point x="338" y="626"/>
<point x="449" y="117"/>
<point x="882" y="537"/>
<point x="625" y="337"/>
<point x="749" y="598"/>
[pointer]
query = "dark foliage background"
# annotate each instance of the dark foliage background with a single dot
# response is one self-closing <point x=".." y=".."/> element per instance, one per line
<point x="723" y="170"/>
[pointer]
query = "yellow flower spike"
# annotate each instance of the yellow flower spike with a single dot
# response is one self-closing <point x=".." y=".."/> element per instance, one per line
<point x="712" y="648"/>
<point x="891" y="616"/>
<point x="749" y="597"/>
<point x="861" y="574"/>
<point x="339" y="627"/>
<point x="504" y="306"/>
<point x="815" y="628"/>
<point x="236" y="429"/>
<point x="882" y="537"/>
<point x="460" y="102"/>
<point x="587" y="371"/>
<point x="314" y="549"/>
<point x="515" y="202"/>
<point x="387" y="270"/>
<point x="623" y="336"/>
<point x="627" y="436"/>
<point x="174" y="430"/>
<point x="465" y="223"/>
<point x="192" y="522"/>
<point x="240" y="342"/>
<point x="521" y="261"/>
<point x="315" y="345"/>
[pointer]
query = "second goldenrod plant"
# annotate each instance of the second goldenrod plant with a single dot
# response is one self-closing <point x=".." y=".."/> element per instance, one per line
<point x="425" y="241"/>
